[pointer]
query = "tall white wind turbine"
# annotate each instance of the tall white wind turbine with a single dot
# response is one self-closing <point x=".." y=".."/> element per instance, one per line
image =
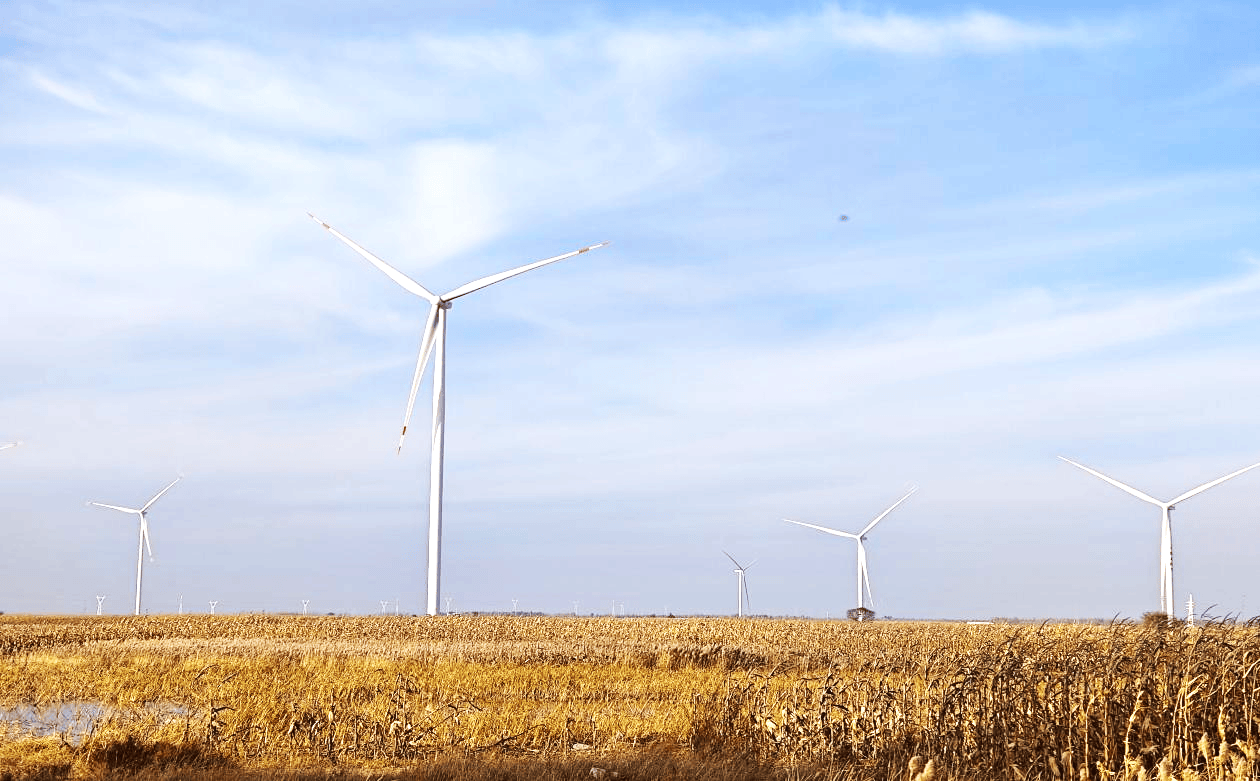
<point x="1166" y="603"/>
<point x="143" y="512"/>
<point x="741" y="585"/>
<point x="862" y="577"/>
<point x="434" y="340"/>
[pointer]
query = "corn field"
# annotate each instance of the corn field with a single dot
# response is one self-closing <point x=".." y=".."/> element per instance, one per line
<point x="82" y="697"/>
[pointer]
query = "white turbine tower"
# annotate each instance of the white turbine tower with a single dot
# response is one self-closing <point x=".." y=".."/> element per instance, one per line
<point x="1166" y="603"/>
<point x="862" y="577"/>
<point x="741" y="586"/>
<point x="143" y="512"/>
<point x="434" y="339"/>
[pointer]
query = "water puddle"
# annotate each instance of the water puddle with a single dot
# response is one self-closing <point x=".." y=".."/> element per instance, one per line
<point x="76" y="720"/>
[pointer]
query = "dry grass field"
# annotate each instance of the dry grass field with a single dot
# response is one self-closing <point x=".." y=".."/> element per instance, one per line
<point x="495" y="697"/>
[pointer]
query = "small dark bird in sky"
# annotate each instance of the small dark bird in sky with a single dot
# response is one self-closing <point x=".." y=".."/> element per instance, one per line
<point x="844" y="217"/>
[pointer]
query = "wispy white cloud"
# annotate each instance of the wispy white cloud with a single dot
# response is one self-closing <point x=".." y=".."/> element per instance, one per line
<point x="978" y="31"/>
<point x="75" y="97"/>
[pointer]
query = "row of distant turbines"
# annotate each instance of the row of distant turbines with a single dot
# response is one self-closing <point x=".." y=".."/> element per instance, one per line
<point x="1166" y="599"/>
<point x="864" y="592"/>
<point x="433" y="341"/>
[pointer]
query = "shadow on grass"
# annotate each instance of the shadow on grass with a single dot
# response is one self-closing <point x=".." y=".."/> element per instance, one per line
<point x="129" y="759"/>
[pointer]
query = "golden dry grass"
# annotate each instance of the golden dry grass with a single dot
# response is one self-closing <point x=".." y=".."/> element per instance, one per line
<point x="728" y="698"/>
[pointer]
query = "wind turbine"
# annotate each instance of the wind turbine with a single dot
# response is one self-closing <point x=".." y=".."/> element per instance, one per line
<point x="143" y="512"/>
<point x="434" y="339"/>
<point x="8" y="445"/>
<point x="1166" y="603"/>
<point x="862" y="576"/>
<point x="741" y="586"/>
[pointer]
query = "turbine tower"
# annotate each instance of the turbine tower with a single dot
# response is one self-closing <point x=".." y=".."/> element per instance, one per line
<point x="741" y="586"/>
<point x="143" y="512"/>
<point x="1166" y="603"/>
<point x="862" y="577"/>
<point x="434" y="340"/>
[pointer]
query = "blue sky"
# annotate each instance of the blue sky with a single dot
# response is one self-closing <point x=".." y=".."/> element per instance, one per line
<point x="1051" y="249"/>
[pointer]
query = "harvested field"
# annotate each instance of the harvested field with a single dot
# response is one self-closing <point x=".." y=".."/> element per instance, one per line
<point x="529" y="697"/>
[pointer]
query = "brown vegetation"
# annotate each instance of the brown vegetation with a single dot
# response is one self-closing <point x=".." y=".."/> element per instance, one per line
<point x="468" y="697"/>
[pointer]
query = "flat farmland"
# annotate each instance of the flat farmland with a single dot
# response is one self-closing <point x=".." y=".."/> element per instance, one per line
<point x="502" y="697"/>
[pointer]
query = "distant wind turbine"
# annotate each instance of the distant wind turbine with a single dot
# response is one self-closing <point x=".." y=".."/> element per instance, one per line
<point x="862" y="577"/>
<point x="434" y="339"/>
<point x="741" y="586"/>
<point x="143" y="512"/>
<point x="1166" y="603"/>
<point x="9" y="445"/>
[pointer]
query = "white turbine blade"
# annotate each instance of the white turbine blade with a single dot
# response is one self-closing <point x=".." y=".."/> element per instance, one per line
<point x="754" y="561"/>
<point x="409" y="284"/>
<point x="732" y="558"/>
<point x="1116" y="483"/>
<point x="871" y="525"/>
<point x="144" y="532"/>
<point x="9" y="445"/>
<point x="866" y="575"/>
<point x="823" y="529"/>
<point x="149" y="503"/>
<point x="115" y="507"/>
<point x="1212" y="484"/>
<point x="747" y="603"/>
<point x="422" y="360"/>
<point x="473" y="287"/>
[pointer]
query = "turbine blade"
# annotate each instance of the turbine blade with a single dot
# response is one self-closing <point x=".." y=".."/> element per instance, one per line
<point x="880" y="517"/>
<point x="144" y="532"/>
<point x="115" y="507"/>
<point x="1116" y="483"/>
<point x="159" y="493"/>
<point x="422" y="360"/>
<point x="8" y="445"/>
<point x="1212" y="484"/>
<point x="754" y="561"/>
<point x="866" y="575"/>
<point x="747" y="603"/>
<point x="823" y="529"/>
<point x="473" y="287"/>
<point x="732" y="558"/>
<point x="408" y="284"/>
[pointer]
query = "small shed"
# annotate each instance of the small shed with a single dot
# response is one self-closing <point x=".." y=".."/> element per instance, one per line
<point x="861" y="614"/>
